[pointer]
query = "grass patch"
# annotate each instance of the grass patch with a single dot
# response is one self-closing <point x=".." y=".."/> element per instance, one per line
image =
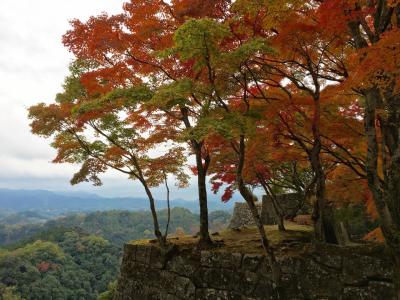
<point x="246" y="239"/>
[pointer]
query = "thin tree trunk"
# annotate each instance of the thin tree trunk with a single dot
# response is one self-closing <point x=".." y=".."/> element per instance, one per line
<point x="157" y="232"/>
<point x="342" y="234"/>
<point x="250" y="200"/>
<point x="275" y="268"/>
<point x="322" y="214"/>
<point x="168" y="207"/>
<point x="278" y="212"/>
<point x="205" y="239"/>
<point x="281" y="223"/>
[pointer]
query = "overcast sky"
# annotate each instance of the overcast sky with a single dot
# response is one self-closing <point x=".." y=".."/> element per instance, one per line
<point x="33" y="64"/>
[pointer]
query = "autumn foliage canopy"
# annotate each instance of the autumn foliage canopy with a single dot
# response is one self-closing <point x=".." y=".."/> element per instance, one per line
<point x="283" y="95"/>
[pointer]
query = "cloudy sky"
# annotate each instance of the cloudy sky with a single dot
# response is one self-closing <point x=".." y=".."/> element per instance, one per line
<point x="33" y="64"/>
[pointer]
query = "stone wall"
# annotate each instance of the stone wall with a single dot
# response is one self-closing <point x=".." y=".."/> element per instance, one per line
<point x="288" y="202"/>
<point x="241" y="215"/>
<point x="326" y="273"/>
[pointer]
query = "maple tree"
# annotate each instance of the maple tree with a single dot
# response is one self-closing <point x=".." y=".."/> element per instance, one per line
<point x="310" y="59"/>
<point x="307" y="60"/>
<point x="297" y="95"/>
<point x="132" y="47"/>
<point x="94" y="132"/>
<point x="233" y="115"/>
<point x="372" y="28"/>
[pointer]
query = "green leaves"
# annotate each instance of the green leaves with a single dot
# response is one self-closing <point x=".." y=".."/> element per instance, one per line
<point x="233" y="59"/>
<point x="171" y="95"/>
<point x="116" y="100"/>
<point x="59" y="263"/>
<point x="228" y="125"/>
<point x="199" y="39"/>
<point x="89" y="172"/>
<point x="72" y="87"/>
<point x="128" y="98"/>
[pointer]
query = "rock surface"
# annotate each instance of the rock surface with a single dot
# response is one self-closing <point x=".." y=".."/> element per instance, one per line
<point x="317" y="273"/>
<point x="242" y="216"/>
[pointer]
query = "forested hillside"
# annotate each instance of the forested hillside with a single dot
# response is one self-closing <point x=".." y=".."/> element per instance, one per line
<point x="115" y="226"/>
<point x="78" y="256"/>
<point x="62" y="264"/>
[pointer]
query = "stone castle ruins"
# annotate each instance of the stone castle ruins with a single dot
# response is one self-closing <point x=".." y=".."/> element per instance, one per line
<point x="289" y="202"/>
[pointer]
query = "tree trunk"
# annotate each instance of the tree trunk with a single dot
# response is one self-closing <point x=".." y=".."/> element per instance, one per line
<point x="205" y="239"/>
<point x="342" y="234"/>
<point x="250" y="200"/>
<point x="276" y="271"/>
<point x="385" y="191"/>
<point x="168" y="206"/>
<point x="278" y="212"/>
<point x="157" y="232"/>
<point x="281" y="223"/>
<point x="323" y="213"/>
<point x="277" y="209"/>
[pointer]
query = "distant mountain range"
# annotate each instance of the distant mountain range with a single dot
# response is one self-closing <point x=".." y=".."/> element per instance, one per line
<point x="57" y="203"/>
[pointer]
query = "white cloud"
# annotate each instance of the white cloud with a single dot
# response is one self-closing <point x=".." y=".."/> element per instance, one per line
<point x="33" y="64"/>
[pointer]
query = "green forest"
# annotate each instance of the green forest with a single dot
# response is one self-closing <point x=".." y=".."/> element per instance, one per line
<point x="78" y="256"/>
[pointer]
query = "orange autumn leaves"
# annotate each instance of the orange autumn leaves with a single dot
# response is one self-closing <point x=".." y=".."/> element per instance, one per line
<point x="250" y="68"/>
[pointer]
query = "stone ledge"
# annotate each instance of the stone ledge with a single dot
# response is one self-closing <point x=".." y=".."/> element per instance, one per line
<point x="323" y="273"/>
